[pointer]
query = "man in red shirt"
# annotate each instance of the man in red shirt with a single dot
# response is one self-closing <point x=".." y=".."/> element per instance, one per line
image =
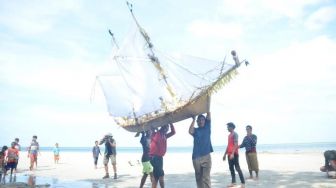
<point x="232" y="151"/>
<point x="158" y="148"/>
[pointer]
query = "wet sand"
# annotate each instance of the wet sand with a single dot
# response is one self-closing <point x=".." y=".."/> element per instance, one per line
<point x="75" y="169"/>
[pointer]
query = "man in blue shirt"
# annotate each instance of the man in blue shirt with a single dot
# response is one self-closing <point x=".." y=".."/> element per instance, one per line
<point x="201" y="151"/>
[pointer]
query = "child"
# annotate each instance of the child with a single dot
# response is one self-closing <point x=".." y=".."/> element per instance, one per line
<point x="95" y="153"/>
<point x="2" y="161"/>
<point x="33" y="150"/>
<point x="56" y="151"/>
<point x="12" y="157"/>
<point x="18" y="147"/>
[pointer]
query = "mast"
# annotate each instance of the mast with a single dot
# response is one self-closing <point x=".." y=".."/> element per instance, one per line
<point x="152" y="56"/>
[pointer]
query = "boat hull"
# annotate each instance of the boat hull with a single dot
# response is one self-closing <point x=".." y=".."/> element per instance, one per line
<point x="198" y="106"/>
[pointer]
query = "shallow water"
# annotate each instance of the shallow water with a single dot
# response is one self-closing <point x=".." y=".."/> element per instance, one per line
<point x="25" y="181"/>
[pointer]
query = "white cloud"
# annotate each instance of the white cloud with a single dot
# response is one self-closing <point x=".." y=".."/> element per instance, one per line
<point x="68" y="78"/>
<point x="207" y="29"/>
<point x="260" y="10"/>
<point x="287" y="89"/>
<point x="57" y="116"/>
<point x="34" y="18"/>
<point x="321" y="18"/>
<point x="300" y="72"/>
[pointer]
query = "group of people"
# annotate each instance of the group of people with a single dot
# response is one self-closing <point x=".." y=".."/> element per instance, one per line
<point x="202" y="148"/>
<point x="9" y="156"/>
<point x="154" y="145"/>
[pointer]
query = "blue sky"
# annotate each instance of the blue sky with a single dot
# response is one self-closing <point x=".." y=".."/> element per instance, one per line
<point x="51" y="51"/>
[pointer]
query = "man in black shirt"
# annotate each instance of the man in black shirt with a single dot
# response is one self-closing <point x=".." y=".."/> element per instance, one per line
<point x="147" y="167"/>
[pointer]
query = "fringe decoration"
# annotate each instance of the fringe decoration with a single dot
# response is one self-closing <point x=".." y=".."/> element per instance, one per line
<point x="222" y="81"/>
<point x="216" y="86"/>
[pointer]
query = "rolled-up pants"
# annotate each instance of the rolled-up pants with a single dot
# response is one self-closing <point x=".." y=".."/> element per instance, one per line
<point x="202" y="166"/>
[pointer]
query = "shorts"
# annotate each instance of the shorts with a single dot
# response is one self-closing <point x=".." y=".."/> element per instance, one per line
<point x="108" y="157"/>
<point x="33" y="157"/>
<point x="157" y="163"/>
<point x="56" y="157"/>
<point x="252" y="161"/>
<point x="147" y="167"/>
<point x="11" y="165"/>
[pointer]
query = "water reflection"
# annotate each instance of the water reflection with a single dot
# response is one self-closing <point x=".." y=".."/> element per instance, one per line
<point x="9" y="178"/>
<point x="34" y="181"/>
<point x="24" y="181"/>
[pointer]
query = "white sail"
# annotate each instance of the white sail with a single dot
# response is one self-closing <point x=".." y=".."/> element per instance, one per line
<point x="150" y="88"/>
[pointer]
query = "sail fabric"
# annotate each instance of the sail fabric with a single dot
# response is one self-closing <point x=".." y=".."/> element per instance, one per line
<point x="144" y="83"/>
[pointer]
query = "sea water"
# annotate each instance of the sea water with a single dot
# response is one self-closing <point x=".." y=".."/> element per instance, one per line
<point x="261" y="148"/>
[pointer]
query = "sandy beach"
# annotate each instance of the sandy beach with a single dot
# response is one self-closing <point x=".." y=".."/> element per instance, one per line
<point x="76" y="169"/>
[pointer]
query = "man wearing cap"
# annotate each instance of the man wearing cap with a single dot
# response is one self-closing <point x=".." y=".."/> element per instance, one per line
<point x="110" y="153"/>
<point x="232" y="151"/>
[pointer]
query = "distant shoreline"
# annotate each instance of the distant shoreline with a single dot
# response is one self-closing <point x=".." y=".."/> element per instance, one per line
<point x="262" y="148"/>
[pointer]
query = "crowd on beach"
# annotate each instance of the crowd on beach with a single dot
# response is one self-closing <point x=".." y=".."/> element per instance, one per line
<point x="9" y="156"/>
<point x="154" y="147"/>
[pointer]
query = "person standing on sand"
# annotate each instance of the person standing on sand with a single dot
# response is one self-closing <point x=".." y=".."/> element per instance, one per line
<point x="95" y="154"/>
<point x="147" y="167"/>
<point x="18" y="147"/>
<point x="158" y="148"/>
<point x="56" y="151"/>
<point x="11" y="158"/>
<point x="110" y="153"/>
<point x="3" y="162"/>
<point x="33" y="151"/>
<point x="232" y="151"/>
<point x="250" y="143"/>
<point x="201" y="151"/>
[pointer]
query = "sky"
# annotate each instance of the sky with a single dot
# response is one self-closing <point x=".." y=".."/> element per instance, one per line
<point x="51" y="52"/>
